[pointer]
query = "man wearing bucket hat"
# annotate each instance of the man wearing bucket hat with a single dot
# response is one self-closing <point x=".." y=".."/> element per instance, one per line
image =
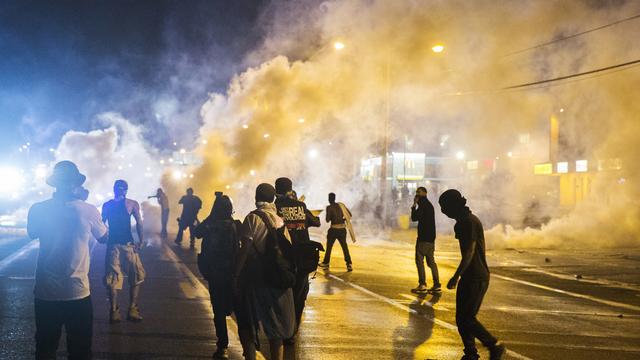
<point x="64" y="225"/>
<point x="122" y="253"/>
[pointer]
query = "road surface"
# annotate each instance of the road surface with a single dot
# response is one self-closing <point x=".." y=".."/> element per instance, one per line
<point x="544" y="304"/>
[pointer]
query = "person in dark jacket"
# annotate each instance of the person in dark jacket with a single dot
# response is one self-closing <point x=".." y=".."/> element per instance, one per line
<point x="473" y="273"/>
<point x="217" y="261"/>
<point x="191" y="205"/>
<point x="297" y="218"/>
<point x="336" y="215"/>
<point x="422" y="212"/>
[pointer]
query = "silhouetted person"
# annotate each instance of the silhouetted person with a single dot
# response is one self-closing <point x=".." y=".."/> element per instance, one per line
<point x="122" y="251"/>
<point x="338" y="216"/>
<point x="297" y="218"/>
<point x="262" y="304"/>
<point x="191" y="204"/>
<point x="217" y="261"/>
<point x="163" y="201"/>
<point x="64" y="225"/>
<point x="422" y="212"/>
<point x="473" y="273"/>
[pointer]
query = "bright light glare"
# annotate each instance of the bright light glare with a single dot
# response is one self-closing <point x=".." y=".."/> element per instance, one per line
<point x="252" y="172"/>
<point x="265" y="136"/>
<point x="301" y="120"/>
<point x="313" y="153"/>
<point x="509" y="154"/>
<point x="177" y="175"/>
<point x="245" y="126"/>
<point x="182" y="151"/>
<point x="204" y="142"/>
<point x="438" y="48"/>
<point x="11" y="181"/>
<point x="338" y="45"/>
<point x="40" y="171"/>
<point x="460" y="155"/>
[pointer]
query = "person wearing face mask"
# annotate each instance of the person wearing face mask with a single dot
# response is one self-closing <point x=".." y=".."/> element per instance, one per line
<point x="122" y="251"/>
<point x="473" y="274"/>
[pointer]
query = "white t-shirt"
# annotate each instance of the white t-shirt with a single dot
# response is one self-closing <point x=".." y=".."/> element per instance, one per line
<point x="64" y="228"/>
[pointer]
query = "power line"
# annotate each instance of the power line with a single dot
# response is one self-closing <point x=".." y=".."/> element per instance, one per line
<point x="574" y="35"/>
<point x="629" y="63"/>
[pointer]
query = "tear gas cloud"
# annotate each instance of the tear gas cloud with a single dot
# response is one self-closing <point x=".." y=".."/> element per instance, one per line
<point x="387" y="67"/>
<point x="309" y="111"/>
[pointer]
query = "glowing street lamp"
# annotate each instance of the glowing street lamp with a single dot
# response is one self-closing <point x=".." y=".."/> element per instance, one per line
<point x="460" y="155"/>
<point x="437" y="48"/>
<point x="338" y="45"/>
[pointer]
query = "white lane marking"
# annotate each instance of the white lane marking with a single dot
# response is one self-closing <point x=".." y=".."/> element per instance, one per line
<point x="203" y="293"/>
<point x="396" y="304"/>
<point x="558" y="312"/>
<point x="581" y="296"/>
<point x="31" y="245"/>
<point x="572" y="277"/>
<point x="423" y="301"/>
<point x="579" y="347"/>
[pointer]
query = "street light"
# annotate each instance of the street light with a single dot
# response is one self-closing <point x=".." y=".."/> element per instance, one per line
<point x="338" y="45"/>
<point x="437" y="48"/>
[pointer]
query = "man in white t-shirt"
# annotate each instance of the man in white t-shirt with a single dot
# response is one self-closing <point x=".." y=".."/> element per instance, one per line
<point x="64" y="225"/>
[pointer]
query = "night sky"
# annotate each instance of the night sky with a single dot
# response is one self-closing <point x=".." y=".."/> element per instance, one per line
<point x="63" y="62"/>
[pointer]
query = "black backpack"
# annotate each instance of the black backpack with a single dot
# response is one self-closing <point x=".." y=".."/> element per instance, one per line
<point x="279" y="269"/>
<point x="307" y="255"/>
<point x="219" y="248"/>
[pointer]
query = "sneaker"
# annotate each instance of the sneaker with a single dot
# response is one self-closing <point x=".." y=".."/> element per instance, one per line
<point x="114" y="316"/>
<point x="134" y="314"/>
<point x="435" y="288"/>
<point x="323" y="265"/>
<point x="221" y="353"/>
<point x="349" y="267"/>
<point x="421" y="289"/>
<point x="497" y="351"/>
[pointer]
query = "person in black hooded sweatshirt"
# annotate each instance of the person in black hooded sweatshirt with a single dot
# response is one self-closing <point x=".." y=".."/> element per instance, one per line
<point x="217" y="262"/>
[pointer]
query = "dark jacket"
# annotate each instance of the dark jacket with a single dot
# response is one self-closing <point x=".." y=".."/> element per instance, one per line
<point x="426" y="218"/>
<point x="220" y="244"/>
<point x="297" y="218"/>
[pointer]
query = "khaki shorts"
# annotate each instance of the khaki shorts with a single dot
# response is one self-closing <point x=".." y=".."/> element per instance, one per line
<point x="123" y="260"/>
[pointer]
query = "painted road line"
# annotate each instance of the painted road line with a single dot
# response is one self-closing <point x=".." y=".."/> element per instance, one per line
<point x="569" y="293"/>
<point x="200" y="291"/>
<point x="23" y="251"/>
<point x="398" y="305"/>
<point x="510" y="309"/>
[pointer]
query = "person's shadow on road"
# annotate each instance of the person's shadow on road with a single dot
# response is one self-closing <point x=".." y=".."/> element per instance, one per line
<point x="406" y="339"/>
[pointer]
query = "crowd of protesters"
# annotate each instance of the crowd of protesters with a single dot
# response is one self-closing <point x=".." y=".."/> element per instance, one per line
<point x="257" y="269"/>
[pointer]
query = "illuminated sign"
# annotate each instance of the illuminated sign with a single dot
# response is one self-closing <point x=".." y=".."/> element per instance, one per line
<point x="543" y="169"/>
<point x="582" y="165"/>
<point x="472" y="165"/>
<point x="562" y="167"/>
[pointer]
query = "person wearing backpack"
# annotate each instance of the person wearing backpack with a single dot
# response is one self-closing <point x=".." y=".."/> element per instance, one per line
<point x="217" y="261"/>
<point x="297" y="218"/>
<point x="265" y="275"/>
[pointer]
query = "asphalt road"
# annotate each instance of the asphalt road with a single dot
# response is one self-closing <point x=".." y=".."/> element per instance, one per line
<point x="536" y="304"/>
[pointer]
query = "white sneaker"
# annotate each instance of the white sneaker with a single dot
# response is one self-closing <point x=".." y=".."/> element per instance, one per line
<point x="421" y="289"/>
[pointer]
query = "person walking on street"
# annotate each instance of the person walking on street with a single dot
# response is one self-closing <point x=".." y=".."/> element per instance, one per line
<point x="340" y="218"/>
<point x="191" y="204"/>
<point x="297" y="218"/>
<point x="473" y="274"/>
<point x="422" y="211"/>
<point x="163" y="201"/>
<point x="64" y="225"/>
<point x="217" y="262"/>
<point x="123" y="256"/>
<point x="262" y="304"/>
